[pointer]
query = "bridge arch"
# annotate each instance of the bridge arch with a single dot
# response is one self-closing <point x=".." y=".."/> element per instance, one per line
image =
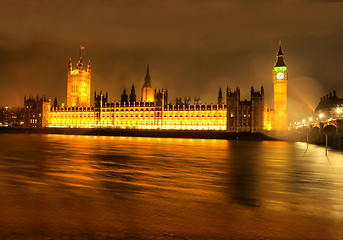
<point x="330" y="129"/>
<point x="315" y="125"/>
<point x="315" y="129"/>
<point x="333" y="123"/>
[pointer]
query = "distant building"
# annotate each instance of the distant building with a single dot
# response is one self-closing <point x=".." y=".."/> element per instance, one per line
<point x="152" y="112"/>
<point x="11" y="117"/>
<point x="36" y="111"/>
<point x="245" y="116"/>
<point x="329" y="107"/>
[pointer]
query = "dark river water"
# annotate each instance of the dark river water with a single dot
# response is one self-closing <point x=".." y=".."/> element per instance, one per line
<point x="94" y="187"/>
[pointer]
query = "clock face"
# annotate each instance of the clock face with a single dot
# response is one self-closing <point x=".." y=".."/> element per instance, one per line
<point x="280" y="75"/>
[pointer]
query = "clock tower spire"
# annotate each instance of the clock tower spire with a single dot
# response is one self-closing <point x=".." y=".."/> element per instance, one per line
<point x="279" y="58"/>
<point x="280" y="81"/>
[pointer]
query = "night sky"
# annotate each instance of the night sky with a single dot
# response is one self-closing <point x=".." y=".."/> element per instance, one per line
<point x="193" y="47"/>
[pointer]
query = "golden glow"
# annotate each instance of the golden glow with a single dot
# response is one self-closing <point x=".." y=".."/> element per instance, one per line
<point x="269" y="117"/>
<point x="146" y="117"/>
<point x="79" y="86"/>
<point x="148" y="94"/>
<point x="280" y="102"/>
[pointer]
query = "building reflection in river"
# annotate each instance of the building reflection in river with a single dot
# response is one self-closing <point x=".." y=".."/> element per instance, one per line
<point x="59" y="186"/>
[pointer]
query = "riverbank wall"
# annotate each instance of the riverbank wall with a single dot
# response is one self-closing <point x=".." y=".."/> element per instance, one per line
<point x="203" y="134"/>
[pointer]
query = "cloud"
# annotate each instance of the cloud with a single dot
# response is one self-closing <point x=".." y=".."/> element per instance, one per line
<point x="194" y="47"/>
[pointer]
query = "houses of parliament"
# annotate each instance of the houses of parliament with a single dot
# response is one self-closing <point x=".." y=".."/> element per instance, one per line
<point x="154" y="111"/>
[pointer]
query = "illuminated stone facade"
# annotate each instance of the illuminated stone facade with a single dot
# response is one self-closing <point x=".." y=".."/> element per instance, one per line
<point x="147" y="91"/>
<point x="277" y="119"/>
<point x="268" y="118"/>
<point x="245" y="116"/>
<point x="79" y="85"/>
<point x="141" y="116"/>
<point x="152" y="112"/>
<point x="280" y="80"/>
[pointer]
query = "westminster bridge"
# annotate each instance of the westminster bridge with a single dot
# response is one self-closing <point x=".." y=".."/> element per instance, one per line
<point x="318" y="131"/>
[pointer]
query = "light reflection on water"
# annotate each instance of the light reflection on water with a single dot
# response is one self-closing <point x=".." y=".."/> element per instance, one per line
<point x="94" y="187"/>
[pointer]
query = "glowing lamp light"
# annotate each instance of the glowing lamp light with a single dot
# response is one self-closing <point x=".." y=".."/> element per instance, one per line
<point x="321" y="115"/>
<point x="303" y="121"/>
<point x="310" y="119"/>
<point x="339" y="110"/>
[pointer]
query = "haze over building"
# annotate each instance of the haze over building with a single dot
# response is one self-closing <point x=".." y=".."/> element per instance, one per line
<point x="189" y="44"/>
<point x="154" y="111"/>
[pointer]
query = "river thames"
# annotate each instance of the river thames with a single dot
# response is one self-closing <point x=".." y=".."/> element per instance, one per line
<point x="95" y="187"/>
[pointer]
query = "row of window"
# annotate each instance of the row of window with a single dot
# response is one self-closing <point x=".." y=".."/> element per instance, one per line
<point x="74" y="89"/>
<point x="137" y="115"/>
<point x="147" y="109"/>
<point x="127" y="110"/>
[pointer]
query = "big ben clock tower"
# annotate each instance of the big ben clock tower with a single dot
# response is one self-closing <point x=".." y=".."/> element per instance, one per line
<point x="280" y="80"/>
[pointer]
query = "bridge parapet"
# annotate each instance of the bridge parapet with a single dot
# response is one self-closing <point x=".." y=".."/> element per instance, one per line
<point x="322" y="125"/>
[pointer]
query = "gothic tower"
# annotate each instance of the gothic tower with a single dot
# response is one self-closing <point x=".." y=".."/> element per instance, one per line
<point x="280" y="80"/>
<point x="79" y="84"/>
<point x="147" y="91"/>
<point x="133" y="95"/>
<point x="220" y="97"/>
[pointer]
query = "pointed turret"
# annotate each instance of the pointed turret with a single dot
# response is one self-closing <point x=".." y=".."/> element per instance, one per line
<point x="147" y="81"/>
<point x="80" y="64"/>
<point x="55" y="103"/>
<point x="280" y="50"/>
<point x="220" y="97"/>
<point x="147" y="91"/>
<point x="70" y="65"/>
<point x="124" y="98"/>
<point x="279" y="58"/>
<point x="89" y="66"/>
<point x="132" y="95"/>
